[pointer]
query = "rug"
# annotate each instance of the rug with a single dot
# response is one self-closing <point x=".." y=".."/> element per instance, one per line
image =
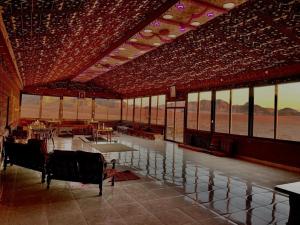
<point x="114" y="147"/>
<point x="125" y="176"/>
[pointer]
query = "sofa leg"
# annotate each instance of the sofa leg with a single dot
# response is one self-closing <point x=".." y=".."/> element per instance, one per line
<point x="43" y="177"/>
<point x="48" y="181"/>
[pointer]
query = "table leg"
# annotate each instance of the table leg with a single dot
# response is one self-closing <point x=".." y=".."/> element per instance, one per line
<point x="294" y="217"/>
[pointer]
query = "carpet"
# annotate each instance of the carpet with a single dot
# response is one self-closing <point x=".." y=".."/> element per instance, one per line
<point x="114" y="147"/>
<point x="125" y="175"/>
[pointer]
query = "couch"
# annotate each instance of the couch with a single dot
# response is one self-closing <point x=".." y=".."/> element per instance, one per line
<point x="77" y="166"/>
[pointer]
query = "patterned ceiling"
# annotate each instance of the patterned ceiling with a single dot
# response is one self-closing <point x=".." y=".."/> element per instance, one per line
<point x="256" y="41"/>
<point x="54" y="40"/>
<point x="139" y="47"/>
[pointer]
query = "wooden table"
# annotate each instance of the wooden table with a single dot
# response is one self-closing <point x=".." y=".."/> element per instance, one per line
<point x="293" y="190"/>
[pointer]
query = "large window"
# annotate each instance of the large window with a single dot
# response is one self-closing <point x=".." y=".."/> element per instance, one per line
<point x="263" y="124"/>
<point x="114" y="109"/>
<point x="124" y="109"/>
<point x="50" y="107"/>
<point x="154" y="111"/>
<point x="192" y="110"/>
<point x="30" y="107"/>
<point x="70" y="106"/>
<point x="288" y="126"/>
<point x="239" y="111"/>
<point x="222" y="111"/>
<point x="161" y="110"/>
<point x="107" y="109"/>
<point x="137" y="110"/>
<point x="130" y="110"/>
<point x="145" y="110"/>
<point x="84" y="108"/>
<point x="204" y="116"/>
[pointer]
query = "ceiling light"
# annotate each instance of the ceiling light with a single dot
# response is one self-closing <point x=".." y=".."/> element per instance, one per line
<point x="122" y="49"/>
<point x="148" y="31"/>
<point x="142" y="52"/>
<point x="133" y="40"/>
<point x="172" y="36"/>
<point x="228" y="5"/>
<point x="167" y="16"/>
<point x="195" y="23"/>
<point x="210" y="14"/>
<point x="156" y="44"/>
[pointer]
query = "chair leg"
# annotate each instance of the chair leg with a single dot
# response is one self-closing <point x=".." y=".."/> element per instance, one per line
<point x="48" y="181"/>
<point x="101" y="186"/>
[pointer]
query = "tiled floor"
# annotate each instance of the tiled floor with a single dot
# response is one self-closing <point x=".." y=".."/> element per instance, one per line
<point x="177" y="187"/>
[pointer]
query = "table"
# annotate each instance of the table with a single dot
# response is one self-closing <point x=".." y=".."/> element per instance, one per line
<point x="105" y="130"/>
<point x="293" y="190"/>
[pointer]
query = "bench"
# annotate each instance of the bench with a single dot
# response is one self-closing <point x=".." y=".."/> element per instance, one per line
<point x="293" y="190"/>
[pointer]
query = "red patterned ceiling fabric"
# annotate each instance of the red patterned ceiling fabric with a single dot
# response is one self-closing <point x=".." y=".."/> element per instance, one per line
<point x="242" y="45"/>
<point x="55" y="40"/>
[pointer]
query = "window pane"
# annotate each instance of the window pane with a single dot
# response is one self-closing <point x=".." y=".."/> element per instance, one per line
<point x="30" y="107"/>
<point x="288" y="126"/>
<point x="124" y="109"/>
<point x="101" y="109"/>
<point x="204" y="119"/>
<point x="239" y="111"/>
<point x="154" y="109"/>
<point x="263" y="123"/>
<point x="192" y="110"/>
<point x="161" y="110"/>
<point x="84" y="108"/>
<point x="137" y="110"/>
<point x="70" y="108"/>
<point x="130" y="110"/>
<point x="170" y="124"/>
<point x="222" y="111"/>
<point x="50" y="107"/>
<point x="114" y="109"/>
<point x="145" y="110"/>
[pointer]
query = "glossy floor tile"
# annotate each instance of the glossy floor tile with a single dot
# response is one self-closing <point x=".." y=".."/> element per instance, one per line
<point x="176" y="187"/>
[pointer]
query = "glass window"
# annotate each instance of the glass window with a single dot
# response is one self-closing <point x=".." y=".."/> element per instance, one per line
<point x="288" y="126"/>
<point x="70" y="108"/>
<point x="263" y="123"/>
<point x="192" y="110"/>
<point x="84" y="108"/>
<point x="124" y="109"/>
<point x="130" y="110"/>
<point x="222" y="111"/>
<point x="204" y="116"/>
<point x="161" y="110"/>
<point x="50" y="107"/>
<point x="239" y="111"/>
<point x="101" y="109"/>
<point x="145" y="110"/>
<point x="114" y="109"/>
<point x="154" y="109"/>
<point x="137" y="110"/>
<point x="30" y="107"/>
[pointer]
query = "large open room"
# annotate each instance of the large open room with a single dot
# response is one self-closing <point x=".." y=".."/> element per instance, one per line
<point x="149" y="112"/>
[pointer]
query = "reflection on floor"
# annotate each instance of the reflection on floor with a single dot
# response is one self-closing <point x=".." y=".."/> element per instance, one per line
<point x="177" y="187"/>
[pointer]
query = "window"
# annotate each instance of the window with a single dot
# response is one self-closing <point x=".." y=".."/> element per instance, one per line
<point x="130" y="110"/>
<point x="161" y="110"/>
<point x="84" y="108"/>
<point x="100" y="109"/>
<point x="70" y="108"/>
<point x="114" y="109"/>
<point x="145" y="110"/>
<point x="222" y="111"/>
<point x="288" y="126"/>
<point x="263" y="123"/>
<point x="239" y="111"/>
<point x="30" y="107"/>
<point x="154" y="109"/>
<point x="50" y="107"/>
<point x="137" y="110"/>
<point x="204" y="115"/>
<point x="124" y="109"/>
<point x="192" y="110"/>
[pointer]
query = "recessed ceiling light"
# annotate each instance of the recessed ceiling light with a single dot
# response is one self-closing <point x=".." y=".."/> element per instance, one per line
<point x="210" y="14"/>
<point x="142" y="52"/>
<point x="172" y="36"/>
<point x="130" y="57"/>
<point x="122" y="48"/>
<point x="133" y="40"/>
<point x="195" y="23"/>
<point x="228" y="5"/>
<point x="156" y="44"/>
<point x="104" y="60"/>
<point x="148" y="31"/>
<point x="167" y="16"/>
